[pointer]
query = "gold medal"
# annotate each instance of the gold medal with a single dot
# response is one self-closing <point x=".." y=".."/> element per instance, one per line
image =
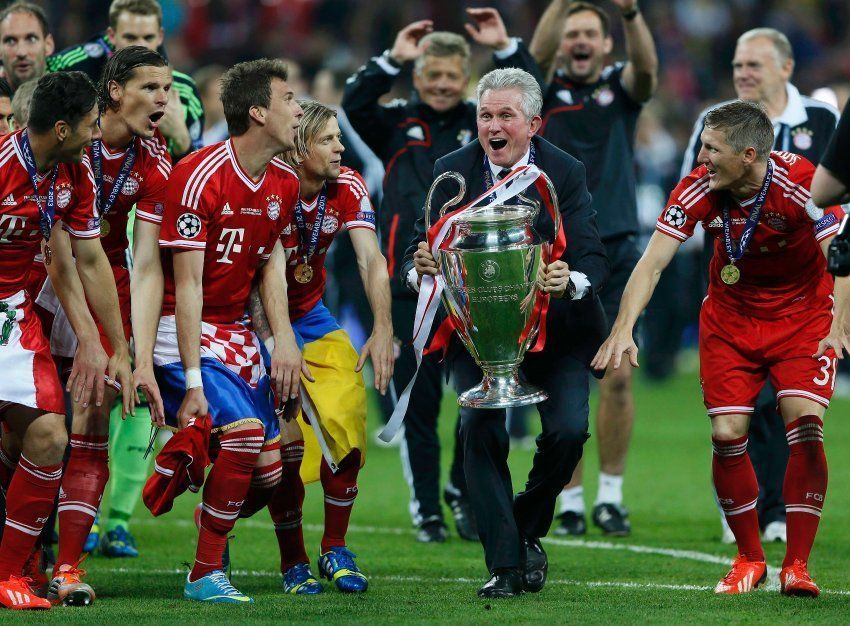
<point x="730" y="274"/>
<point x="47" y="253"/>
<point x="104" y="228"/>
<point x="303" y="273"/>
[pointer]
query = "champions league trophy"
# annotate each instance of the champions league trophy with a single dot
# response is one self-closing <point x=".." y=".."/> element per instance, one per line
<point x="491" y="263"/>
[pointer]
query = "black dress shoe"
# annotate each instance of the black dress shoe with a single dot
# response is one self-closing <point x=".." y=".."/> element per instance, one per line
<point x="536" y="565"/>
<point x="432" y="532"/>
<point x="612" y="519"/>
<point x="504" y="583"/>
<point x="571" y="524"/>
<point x="464" y="518"/>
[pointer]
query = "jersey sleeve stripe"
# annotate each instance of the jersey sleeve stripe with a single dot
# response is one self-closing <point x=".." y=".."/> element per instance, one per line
<point x="281" y="164"/>
<point x="199" y="178"/>
<point x="153" y="218"/>
<point x="182" y="243"/>
<point x="354" y="183"/>
<point x="695" y="187"/>
<point x="359" y="224"/>
<point x="675" y="234"/>
<point x="91" y="233"/>
<point x="828" y="232"/>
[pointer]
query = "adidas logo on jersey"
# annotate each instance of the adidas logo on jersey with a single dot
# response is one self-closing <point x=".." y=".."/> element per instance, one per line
<point x="716" y="223"/>
<point x="227" y="210"/>
<point x="8" y="200"/>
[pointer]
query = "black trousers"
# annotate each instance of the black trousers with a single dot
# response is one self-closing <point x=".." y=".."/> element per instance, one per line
<point x="420" y="449"/>
<point x="503" y="519"/>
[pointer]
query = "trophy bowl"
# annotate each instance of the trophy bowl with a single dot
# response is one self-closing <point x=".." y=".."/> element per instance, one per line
<point x="490" y="264"/>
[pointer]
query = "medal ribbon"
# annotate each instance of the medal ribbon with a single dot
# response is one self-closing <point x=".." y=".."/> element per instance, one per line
<point x="104" y="206"/>
<point x="47" y="211"/>
<point x="317" y="224"/>
<point x="488" y="172"/>
<point x="751" y="223"/>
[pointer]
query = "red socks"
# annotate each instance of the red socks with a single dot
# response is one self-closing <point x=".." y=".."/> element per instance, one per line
<point x="340" y="493"/>
<point x="224" y="492"/>
<point x="805" y="486"/>
<point x="79" y="496"/>
<point x="264" y="481"/>
<point x="738" y="491"/>
<point x="29" y="501"/>
<point x="285" y="507"/>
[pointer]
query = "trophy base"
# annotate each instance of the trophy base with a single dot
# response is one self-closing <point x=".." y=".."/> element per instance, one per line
<point x="501" y="391"/>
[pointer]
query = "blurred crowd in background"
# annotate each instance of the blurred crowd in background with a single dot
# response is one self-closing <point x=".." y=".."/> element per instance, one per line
<point x="326" y="40"/>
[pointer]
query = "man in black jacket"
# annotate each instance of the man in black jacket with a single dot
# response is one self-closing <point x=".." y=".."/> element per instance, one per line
<point x="509" y="104"/>
<point x="409" y="136"/>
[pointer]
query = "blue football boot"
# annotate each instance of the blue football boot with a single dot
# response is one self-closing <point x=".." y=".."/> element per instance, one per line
<point x="337" y="564"/>
<point x="214" y="587"/>
<point x="93" y="539"/>
<point x="299" y="580"/>
<point x="119" y="544"/>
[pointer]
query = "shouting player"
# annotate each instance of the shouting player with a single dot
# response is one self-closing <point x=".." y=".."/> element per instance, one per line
<point x="768" y="314"/>
<point x="131" y="166"/>
<point x="332" y="198"/>
<point x="46" y="178"/>
<point x="226" y="207"/>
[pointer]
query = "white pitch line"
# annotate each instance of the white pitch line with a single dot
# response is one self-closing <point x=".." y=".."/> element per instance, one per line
<point x="619" y="584"/>
<point x="772" y="583"/>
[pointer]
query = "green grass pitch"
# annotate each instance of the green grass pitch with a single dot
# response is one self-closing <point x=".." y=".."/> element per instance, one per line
<point x="663" y="573"/>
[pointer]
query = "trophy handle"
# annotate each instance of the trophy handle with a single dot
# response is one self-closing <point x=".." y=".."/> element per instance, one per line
<point x="553" y="198"/>
<point x="456" y="200"/>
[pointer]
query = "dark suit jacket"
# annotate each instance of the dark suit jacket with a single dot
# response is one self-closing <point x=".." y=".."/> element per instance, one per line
<point x="575" y="326"/>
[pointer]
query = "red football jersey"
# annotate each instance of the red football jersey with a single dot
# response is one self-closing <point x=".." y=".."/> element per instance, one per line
<point x="211" y="204"/>
<point x="783" y="270"/>
<point x="20" y="234"/>
<point x="144" y="187"/>
<point x="348" y="205"/>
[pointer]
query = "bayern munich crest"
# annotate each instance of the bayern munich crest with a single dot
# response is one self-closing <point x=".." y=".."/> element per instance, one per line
<point x="329" y="224"/>
<point x="131" y="187"/>
<point x="273" y="208"/>
<point x="63" y="197"/>
<point x="604" y="97"/>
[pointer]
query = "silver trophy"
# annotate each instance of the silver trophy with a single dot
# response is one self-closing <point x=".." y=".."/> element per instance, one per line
<point x="492" y="266"/>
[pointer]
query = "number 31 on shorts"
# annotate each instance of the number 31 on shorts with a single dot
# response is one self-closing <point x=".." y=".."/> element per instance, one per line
<point x="827" y="364"/>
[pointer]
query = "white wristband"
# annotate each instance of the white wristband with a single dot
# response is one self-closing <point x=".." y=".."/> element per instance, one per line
<point x="193" y="378"/>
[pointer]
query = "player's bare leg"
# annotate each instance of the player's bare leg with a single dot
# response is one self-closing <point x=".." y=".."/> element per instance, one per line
<point x="804" y="490"/>
<point x="737" y="490"/>
<point x="614" y="421"/>
<point x="285" y="508"/>
<point x="30" y="496"/>
<point x="82" y="488"/>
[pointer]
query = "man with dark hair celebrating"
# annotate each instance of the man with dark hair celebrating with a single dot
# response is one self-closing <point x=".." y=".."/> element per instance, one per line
<point x="130" y="166"/>
<point x="590" y="110"/>
<point x="25" y="42"/>
<point x="139" y="23"/>
<point x="225" y="209"/>
<point x="769" y="313"/>
<point x="46" y="178"/>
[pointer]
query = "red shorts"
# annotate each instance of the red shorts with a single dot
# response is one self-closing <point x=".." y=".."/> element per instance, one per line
<point x="738" y="353"/>
<point x="29" y="374"/>
<point x="63" y="341"/>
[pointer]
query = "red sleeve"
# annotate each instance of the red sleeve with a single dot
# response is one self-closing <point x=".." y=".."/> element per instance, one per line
<point x="81" y="219"/>
<point x="797" y="185"/>
<point x="151" y="205"/>
<point x="287" y="224"/>
<point x="184" y="227"/>
<point x="688" y="204"/>
<point x="358" y="212"/>
<point x="828" y="225"/>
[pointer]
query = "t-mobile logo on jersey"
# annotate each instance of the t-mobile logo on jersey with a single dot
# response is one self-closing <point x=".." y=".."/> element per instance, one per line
<point x="11" y="227"/>
<point x="230" y="241"/>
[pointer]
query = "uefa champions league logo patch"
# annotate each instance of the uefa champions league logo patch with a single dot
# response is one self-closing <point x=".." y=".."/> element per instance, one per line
<point x="188" y="225"/>
<point x="273" y="208"/>
<point x="63" y="197"/>
<point x="675" y="216"/>
<point x="131" y="187"/>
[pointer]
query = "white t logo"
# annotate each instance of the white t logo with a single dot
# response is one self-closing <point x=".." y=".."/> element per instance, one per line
<point x="11" y="226"/>
<point x="230" y="241"/>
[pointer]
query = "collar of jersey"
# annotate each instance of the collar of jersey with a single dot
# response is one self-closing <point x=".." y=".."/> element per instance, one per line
<point x="795" y="111"/>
